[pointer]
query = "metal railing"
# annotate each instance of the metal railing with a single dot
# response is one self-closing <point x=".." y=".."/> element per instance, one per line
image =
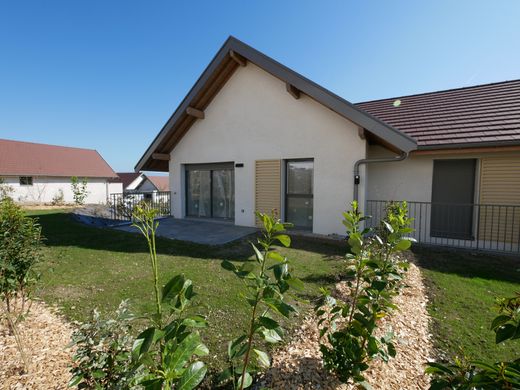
<point x="485" y="227"/>
<point x="122" y="204"/>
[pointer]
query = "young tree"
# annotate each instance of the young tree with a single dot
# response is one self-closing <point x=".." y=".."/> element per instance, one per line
<point x="79" y="190"/>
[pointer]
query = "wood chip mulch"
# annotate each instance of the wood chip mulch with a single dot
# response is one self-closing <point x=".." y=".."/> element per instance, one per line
<point x="298" y="366"/>
<point x="45" y="337"/>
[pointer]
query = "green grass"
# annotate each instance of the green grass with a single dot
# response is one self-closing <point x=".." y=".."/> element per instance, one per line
<point x="462" y="288"/>
<point x="87" y="267"/>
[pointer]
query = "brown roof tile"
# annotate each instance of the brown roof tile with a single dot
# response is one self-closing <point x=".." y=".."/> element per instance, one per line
<point x="30" y="159"/>
<point x="127" y="177"/>
<point x="483" y="113"/>
<point x="162" y="183"/>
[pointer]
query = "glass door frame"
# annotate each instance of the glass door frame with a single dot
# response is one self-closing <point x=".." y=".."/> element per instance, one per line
<point x="207" y="167"/>
<point x="302" y="196"/>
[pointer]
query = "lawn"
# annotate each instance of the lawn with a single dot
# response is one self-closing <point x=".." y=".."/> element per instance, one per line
<point x="462" y="287"/>
<point x="87" y="267"/>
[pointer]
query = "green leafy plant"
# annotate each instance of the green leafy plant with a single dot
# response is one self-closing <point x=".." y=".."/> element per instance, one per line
<point x="103" y="347"/>
<point x="465" y="373"/>
<point x="266" y="283"/>
<point x="79" y="190"/>
<point x="5" y="189"/>
<point x="20" y="250"/>
<point x="165" y="353"/>
<point x="374" y="274"/>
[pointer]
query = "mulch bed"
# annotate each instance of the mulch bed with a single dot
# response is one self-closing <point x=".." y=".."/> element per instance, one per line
<point x="45" y="337"/>
<point x="298" y="366"/>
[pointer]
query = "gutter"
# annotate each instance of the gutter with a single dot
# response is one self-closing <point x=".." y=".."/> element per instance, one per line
<point x="366" y="161"/>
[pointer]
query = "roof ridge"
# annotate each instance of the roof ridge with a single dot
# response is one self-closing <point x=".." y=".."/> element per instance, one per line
<point x="440" y="91"/>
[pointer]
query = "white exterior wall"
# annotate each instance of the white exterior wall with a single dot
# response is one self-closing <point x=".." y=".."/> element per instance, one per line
<point x="252" y="118"/>
<point x="146" y="186"/>
<point x="115" y="188"/>
<point x="44" y="189"/>
<point x="409" y="180"/>
<point x="412" y="178"/>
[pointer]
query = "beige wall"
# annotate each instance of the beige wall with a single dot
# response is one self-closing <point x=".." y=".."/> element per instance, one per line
<point x="44" y="189"/>
<point x="254" y="118"/>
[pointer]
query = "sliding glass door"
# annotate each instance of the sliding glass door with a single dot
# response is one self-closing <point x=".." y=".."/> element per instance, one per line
<point x="210" y="191"/>
<point x="299" y="193"/>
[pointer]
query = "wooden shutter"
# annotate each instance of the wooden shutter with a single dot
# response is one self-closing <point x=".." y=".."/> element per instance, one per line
<point x="500" y="185"/>
<point x="268" y="186"/>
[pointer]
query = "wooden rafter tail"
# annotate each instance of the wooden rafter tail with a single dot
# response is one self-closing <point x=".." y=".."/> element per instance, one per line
<point x="191" y="111"/>
<point x="293" y="91"/>
<point x="240" y="60"/>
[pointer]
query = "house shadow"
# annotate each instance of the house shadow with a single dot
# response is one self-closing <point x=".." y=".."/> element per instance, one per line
<point x="467" y="264"/>
<point x="62" y="230"/>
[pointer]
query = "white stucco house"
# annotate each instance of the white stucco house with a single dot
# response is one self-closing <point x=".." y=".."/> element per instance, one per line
<point x="253" y="134"/>
<point x="141" y="182"/>
<point x="39" y="173"/>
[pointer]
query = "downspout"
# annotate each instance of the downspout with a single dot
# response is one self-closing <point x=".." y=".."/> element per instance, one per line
<point x="366" y="161"/>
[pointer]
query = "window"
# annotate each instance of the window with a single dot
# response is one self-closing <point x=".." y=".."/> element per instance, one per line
<point x="26" y="180"/>
<point x="453" y="192"/>
<point x="299" y="193"/>
<point x="210" y="190"/>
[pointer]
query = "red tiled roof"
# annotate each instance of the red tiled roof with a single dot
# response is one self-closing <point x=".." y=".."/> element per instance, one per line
<point x="480" y="114"/>
<point x="160" y="182"/>
<point x="127" y="177"/>
<point x="30" y="159"/>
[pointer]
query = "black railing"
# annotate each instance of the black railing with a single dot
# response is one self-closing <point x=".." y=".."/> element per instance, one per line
<point x="122" y="204"/>
<point x="486" y="227"/>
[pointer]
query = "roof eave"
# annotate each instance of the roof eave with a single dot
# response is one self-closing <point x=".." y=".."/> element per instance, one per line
<point x="306" y="86"/>
<point x="468" y="145"/>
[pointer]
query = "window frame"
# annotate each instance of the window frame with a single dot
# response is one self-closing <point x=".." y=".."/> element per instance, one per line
<point x="29" y="179"/>
<point x="287" y="195"/>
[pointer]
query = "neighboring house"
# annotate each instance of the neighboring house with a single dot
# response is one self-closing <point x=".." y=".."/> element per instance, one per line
<point x="140" y="182"/>
<point x="39" y="173"/>
<point x="254" y="135"/>
<point x="130" y="180"/>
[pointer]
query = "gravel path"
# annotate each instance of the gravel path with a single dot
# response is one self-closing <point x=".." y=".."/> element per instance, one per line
<point x="298" y="366"/>
<point x="45" y="336"/>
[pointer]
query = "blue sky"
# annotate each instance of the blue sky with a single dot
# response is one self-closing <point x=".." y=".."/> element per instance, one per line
<point x="108" y="74"/>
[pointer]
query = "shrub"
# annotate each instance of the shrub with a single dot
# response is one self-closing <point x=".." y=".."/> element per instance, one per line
<point x="374" y="274"/>
<point x="20" y="250"/>
<point x="473" y="374"/>
<point x="166" y="351"/>
<point x="79" y="190"/>
<point x="265" y="295"/>
<point x="5" y="190"/>
<point x="102" y="359"/>
<point x="58" y="199"/>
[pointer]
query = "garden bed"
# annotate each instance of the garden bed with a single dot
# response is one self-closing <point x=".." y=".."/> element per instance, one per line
<point x="45" y="337"/>
<point x="298" y="365"/>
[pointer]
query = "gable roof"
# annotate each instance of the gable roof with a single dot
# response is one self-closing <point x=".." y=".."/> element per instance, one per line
<point x="162" y="183"/>
<point x="127" y="177"/>
<point x="482" y="115"/>
<point x="222" y="67"/>
<point x="31" y="159"/>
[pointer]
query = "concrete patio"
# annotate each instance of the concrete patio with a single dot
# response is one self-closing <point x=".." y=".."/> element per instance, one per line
<point x="207" y="232"/>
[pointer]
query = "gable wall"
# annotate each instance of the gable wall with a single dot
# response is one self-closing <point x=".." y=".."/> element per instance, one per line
<point x="254" y="118"/>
